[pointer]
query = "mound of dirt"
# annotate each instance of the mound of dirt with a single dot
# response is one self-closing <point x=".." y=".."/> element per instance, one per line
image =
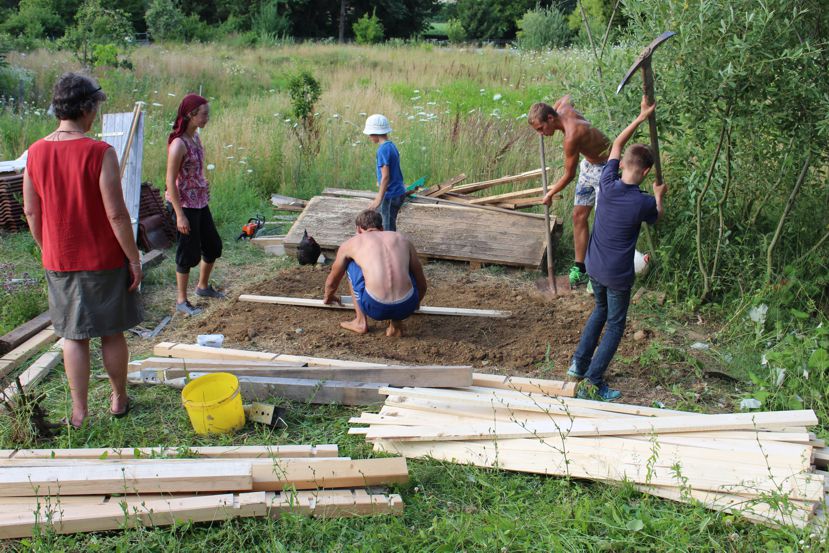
<point x="538" y="340"/>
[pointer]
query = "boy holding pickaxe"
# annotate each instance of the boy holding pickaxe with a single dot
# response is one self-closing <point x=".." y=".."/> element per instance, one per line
<point x="580" y="139"/>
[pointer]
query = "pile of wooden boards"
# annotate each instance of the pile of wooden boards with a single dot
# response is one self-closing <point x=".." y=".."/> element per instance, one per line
<point x="87" y="490"/>
<point x="762" y="465"/>
<point x="264" y="375"/>
<point x="445" y="230"/>
<point x="19" y="355"/>
<point x="453" y="190"/>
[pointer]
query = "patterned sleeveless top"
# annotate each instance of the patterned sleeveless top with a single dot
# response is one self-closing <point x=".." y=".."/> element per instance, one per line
<point x="193" y="188"/>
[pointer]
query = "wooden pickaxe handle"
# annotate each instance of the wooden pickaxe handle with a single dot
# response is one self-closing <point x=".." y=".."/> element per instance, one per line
<point x="648" y="90"/>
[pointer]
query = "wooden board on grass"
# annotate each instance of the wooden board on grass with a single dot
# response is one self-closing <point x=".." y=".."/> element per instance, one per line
<point x="191" y="351"/>
<point x="521" y="384"/>
<point x="441" y="231"/>
<point x="347" y="303"/>
<point x="23" y="332"/>
<point x="36" y="372"/>
<point x="259" y="388"/>
<point x="213" y="452"/>
<point x="24" y="351"/>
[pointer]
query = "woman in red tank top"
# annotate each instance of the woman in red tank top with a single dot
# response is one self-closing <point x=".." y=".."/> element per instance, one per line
<point x="76" y="212"/>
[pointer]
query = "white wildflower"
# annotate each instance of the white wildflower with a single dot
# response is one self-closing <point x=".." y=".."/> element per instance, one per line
<point x="496" y="97"/>
<point x="210" y="167"/>
<point x="758" y="314"/>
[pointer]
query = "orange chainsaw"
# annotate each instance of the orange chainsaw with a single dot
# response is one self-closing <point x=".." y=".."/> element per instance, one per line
<point x="252" y="228"/>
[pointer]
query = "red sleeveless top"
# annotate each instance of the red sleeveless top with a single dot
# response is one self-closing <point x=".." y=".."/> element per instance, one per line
<point x="77" y="235"/>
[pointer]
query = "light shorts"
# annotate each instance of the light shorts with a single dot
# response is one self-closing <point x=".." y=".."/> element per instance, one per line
<point x="588" y="185"/>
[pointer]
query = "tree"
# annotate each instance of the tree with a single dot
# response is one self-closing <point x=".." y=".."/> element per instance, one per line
<point x="491" y="19"/>
<point x="368" y="30"/>
<point x="35" y="19"/>
<point x="543" y="28"/>
<point x="96" y="24"/>
<point x="165" y="20"/>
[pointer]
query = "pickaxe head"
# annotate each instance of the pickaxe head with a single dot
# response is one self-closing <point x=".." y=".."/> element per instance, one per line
<point x="645" y="57"/>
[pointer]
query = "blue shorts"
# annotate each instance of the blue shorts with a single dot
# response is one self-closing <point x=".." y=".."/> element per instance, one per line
<point x="378" y="310"/>
<point x="588" y="184"/>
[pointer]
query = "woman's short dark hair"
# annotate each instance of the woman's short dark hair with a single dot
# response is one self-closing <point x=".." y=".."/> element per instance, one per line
<point x="75" y="95"/>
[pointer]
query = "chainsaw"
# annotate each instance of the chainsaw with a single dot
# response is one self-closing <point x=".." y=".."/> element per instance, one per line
<point x="252" y="228"/>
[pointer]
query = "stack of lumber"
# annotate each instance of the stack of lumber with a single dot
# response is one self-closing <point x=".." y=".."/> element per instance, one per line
<point x="36" y="372"/>
<point x="23" y="332"/>
<point x="264" y="375"/>
<point x="87" y="490"/>
<point x="445" y="230"/>
<point x="761" y="465"/>
<point x="11" y="208"/>
<point x="287" y="203"/>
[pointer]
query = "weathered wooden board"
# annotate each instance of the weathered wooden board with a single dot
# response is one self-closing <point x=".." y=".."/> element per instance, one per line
<point x="23" y="332"/>
<point x="191" y="351"/>
<point x="36" y="372"/>
<point x="24" y="351"/>
<point x="115" y="131"/>
<point x="437" y="231"/>
<point x="475" y="186"/>
<point x="258" y="388"/>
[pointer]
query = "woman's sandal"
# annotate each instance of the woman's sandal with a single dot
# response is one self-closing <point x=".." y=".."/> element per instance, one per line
<point x="125" y="412"/>
<point x="66" y="421"/>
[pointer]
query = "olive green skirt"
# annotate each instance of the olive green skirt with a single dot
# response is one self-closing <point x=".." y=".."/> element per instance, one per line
<point x="90" y="304"/>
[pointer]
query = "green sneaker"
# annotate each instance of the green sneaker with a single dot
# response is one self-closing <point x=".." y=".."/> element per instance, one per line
<point x="577" y="278"/>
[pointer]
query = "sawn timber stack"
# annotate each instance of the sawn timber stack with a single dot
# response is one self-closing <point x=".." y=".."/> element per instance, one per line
<point x="452" y="232"/>
<point x="760" y="465"/>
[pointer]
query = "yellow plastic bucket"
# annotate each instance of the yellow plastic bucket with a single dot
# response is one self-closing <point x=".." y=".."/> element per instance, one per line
<point x="214" y="403"/>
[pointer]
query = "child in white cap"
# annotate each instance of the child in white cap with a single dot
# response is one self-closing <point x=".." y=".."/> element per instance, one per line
<point x="391" y="191"/>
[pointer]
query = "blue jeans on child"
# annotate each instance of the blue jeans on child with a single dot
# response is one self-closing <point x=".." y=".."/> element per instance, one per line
<point x="388" y="210"/>
<point x="611" y="308"/>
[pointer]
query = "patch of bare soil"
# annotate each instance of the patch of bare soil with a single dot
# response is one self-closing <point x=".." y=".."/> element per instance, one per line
<point x="538" y="340"/>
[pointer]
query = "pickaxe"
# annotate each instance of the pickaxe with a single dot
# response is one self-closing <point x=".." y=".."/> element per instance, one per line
<point x="644" y="62"/>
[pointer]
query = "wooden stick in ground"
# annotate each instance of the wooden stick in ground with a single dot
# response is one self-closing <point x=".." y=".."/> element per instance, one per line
<point x="551" y="279"/>
<point x="136" y="115"/>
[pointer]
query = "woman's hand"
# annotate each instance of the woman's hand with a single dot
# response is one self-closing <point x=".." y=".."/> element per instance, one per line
<point x="136" y="276"/>
<point x="182" y="223"/>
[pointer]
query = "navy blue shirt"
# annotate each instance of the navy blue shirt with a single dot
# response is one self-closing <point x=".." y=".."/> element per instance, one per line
<point x="387" y="154"/>
<point x="620" y="210"/>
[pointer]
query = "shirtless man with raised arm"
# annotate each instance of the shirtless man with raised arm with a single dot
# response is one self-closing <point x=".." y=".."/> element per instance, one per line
<point x="386" y="277"/>
<point x="580" y="139"/>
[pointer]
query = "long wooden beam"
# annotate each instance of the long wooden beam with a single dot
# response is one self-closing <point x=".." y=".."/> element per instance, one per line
<point x="521" y="384"/>
<point x="347" y="304"/>
<point x="436" y="376"/>
<point x="483" y="185"/>
<point x="215" y="452"/>
<point x="23" y="332"/>
<point x="36" y="372"/>
<point x="506" y="197"/>
<point x="192" y="351"/>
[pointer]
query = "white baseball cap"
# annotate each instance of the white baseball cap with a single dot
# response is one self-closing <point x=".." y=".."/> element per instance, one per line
<point x="377" y="124"/>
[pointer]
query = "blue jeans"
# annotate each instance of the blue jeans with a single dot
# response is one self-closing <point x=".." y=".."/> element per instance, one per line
<point x="611" y="308"/>
<point x="388" y="210"/>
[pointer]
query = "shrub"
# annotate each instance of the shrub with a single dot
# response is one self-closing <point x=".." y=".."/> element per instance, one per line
<point x="269" y="22"/>
<point x="96" y="24"/>
<point x="543" y="28"/>
<point x="34" y="19"/>
<point x="165" y="20"/>
<point x="368" y="30"/>
<point x="455" y="31"/>
<point x="305" y="91"/>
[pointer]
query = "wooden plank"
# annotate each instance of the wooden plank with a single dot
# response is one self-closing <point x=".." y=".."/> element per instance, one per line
<point x="521" y="384"/>
<point x="437" y="231"/>
<point x="601" y="427"/>
<point x="267" y="240"/>
<point x="447" y="202"/>
<point x="23" y="332"/>
<point x="482" y="185"/>
<point x="444" y="187"/>
<point x="36" y="372"/>
<point x="135" y="511"/>
<point x="213" y="452"/>
<point x="260" y="388"/>
<point x="160" y="477"/>
<point x="435" y="376"/>
<point x="507" y="196"/>
<point x="23" y="352"/>
<point x="151" y="259"/>
<point x="347" y="303"/>
<point x="300" y="474"/>
<point x="193" y="364"/>
<point x="192" y="351"/>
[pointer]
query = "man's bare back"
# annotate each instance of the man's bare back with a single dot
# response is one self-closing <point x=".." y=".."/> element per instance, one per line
<point x="386" y="277"/>
<point x="384" y="258"/>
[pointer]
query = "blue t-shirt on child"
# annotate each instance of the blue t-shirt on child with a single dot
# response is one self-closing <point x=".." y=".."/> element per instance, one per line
<point x="620" y="210"/>
<point x="387" y="154"/>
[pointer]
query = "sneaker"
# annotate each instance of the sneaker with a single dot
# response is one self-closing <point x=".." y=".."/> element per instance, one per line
<point x="187" y="308"/>
<point x="209" y="292"/>
<point x="596" y="393"/>
<point x="574" y="372"/>
<point x="577" y="278"/>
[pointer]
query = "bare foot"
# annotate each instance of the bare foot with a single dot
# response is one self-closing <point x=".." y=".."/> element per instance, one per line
<point x="358" y="326"/>
<point x="394" y="331"/>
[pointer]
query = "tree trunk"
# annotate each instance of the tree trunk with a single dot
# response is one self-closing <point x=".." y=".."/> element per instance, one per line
<point x="343" y="7"/>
